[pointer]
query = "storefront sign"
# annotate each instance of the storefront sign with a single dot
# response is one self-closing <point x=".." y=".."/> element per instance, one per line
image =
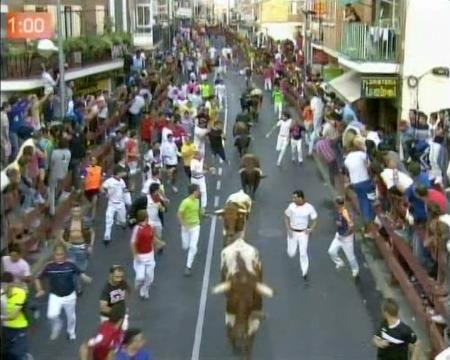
<point x="29" y="25"/>
<point x="379" y="88"/>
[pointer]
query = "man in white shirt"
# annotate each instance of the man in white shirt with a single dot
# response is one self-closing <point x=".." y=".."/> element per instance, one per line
<point x="169" y="156"/>
<point x="317" y="107"/>
<point x="135" y="109"/>
<point x="198" y="177"/>
<point x="118" y="195"/>
<point x="220" y="90"/>
<point x="394" y="178"/>
<point x="154" y="207"/>
<point x="300" y="219"/>
<point x="212" y="53"/>
<point x="356" y="163"/>
<point x="285" y="125"/>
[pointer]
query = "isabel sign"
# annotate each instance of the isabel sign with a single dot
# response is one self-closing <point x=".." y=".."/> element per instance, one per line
<point x="29" y="26"/>
<point x="379" y="88"/>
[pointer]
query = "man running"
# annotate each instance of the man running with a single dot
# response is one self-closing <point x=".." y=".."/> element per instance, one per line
<point x="116" y="190"/>
<point x="198" y="173"/>
<point x="142" y="244"/>
<point x="61" y="274"/>
<point x="300" y="219"/>
<point x="344" y="238"/>
<point x="285" y="125"/>
<point x="189" y="217"/>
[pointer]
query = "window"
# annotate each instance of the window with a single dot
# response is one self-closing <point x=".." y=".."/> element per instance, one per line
<point x="100" y="18"/>
<point x="143" y="17"/>
<point x="294" y="8"/>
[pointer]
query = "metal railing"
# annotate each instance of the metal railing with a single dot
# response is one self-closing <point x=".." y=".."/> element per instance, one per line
<point x="369" y="43"/>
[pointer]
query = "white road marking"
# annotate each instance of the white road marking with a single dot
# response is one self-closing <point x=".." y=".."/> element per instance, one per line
<point x="220" y="172"/>
<point x="218" y="185"/>
<point x="225" y="116"/>
<point x="205" y="288"/>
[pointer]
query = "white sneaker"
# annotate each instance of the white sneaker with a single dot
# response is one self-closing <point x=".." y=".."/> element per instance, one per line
<point x="355" y="273"/>
<point x="55" y="332"/>
<point x="72" y="337"/>
<point x="340" y="266"/>
<point x="175" y="189"/>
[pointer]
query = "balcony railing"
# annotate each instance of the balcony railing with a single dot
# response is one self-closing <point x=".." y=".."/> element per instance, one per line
<point x="369" y="43"/>
<point x="20" y="62"/>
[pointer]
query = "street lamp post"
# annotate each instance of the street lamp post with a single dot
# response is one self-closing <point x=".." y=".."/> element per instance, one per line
<point x="62" y="83"/>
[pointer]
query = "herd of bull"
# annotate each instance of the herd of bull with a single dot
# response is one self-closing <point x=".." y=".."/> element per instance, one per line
<point x="241" y="270"/>
<point x="241" y="267"/>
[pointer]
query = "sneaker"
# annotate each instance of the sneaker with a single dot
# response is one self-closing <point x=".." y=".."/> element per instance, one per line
<point x="72" y="337"/>
<point x="175" y="189"/>
<point x="187" y="272"/>
<point x="106" y="242"/>
<point x="340" y="266"/>
<point x="355" y="274"/>
<point x="55" y="332"/>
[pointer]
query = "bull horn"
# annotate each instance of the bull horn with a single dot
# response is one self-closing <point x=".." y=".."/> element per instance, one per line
<point x="264" y="290"/>
<point x="221" y="288"/>
<point x="219" y="212"/>
<point x="242" y="211"/>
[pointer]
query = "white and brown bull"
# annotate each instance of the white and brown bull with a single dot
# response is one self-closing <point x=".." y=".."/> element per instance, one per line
<point x="243" y="314"/>
<point x="235" y="214"/>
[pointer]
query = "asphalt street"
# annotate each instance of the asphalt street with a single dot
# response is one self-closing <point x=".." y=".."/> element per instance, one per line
<point x="328" y="320"/>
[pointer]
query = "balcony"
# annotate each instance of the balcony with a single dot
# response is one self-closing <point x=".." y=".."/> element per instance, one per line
<point x="365" y="43"/>
<point x="20" y="61"/>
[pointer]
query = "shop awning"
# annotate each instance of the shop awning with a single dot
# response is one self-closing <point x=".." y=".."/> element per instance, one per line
<point x="347" y="86"/>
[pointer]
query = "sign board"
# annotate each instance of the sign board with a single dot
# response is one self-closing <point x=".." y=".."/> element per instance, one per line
<point x="379" y="87"/>
<point x="29" y="26"/>
<point x="184" y="13"/>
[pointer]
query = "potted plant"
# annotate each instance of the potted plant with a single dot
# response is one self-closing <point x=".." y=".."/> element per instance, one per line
<point x="74" y="49"/>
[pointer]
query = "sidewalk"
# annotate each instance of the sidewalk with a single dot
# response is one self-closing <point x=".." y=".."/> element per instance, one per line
<point x="380" y="272"/>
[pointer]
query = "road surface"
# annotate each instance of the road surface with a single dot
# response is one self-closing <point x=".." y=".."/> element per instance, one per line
<point x="328" y="320"/>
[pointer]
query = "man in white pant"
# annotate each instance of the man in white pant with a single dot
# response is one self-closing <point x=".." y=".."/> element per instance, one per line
<point x="61" y="275"/>
<point x="198" y="177"/>
<point x="300" y="219"/>
<point x="142" y="244"/>
<point x="297" y="130"/>
<point x="344" y="238"/>
<point x="285" y="125"/>
<point x="189" y="217"/>
<point x="118" y="196"/>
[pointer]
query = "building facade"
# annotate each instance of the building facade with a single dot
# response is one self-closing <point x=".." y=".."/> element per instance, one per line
<point x="367" y="60"/>
<point x="279" y="19"/>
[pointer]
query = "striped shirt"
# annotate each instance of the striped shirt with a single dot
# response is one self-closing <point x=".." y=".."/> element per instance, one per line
<point x="325" y="150"/>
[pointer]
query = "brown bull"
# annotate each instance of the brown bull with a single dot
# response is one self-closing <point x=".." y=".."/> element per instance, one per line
<point x="243" y="312"/>
<point x="234" y="221"/>
<point x="241" y="134"/>
<point x="251" y="174"/>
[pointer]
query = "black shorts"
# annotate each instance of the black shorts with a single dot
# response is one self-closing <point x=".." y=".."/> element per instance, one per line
<point x="170" y="167"/>
<point x="91" y="193"/>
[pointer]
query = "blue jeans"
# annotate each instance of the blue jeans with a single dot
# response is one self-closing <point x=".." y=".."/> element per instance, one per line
<point x="362" y="189"/>
<point x="79" y="256"/>
<point x="15" y="342"/>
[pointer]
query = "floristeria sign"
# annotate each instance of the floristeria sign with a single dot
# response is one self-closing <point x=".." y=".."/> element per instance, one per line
<point x="379" y="87"/>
